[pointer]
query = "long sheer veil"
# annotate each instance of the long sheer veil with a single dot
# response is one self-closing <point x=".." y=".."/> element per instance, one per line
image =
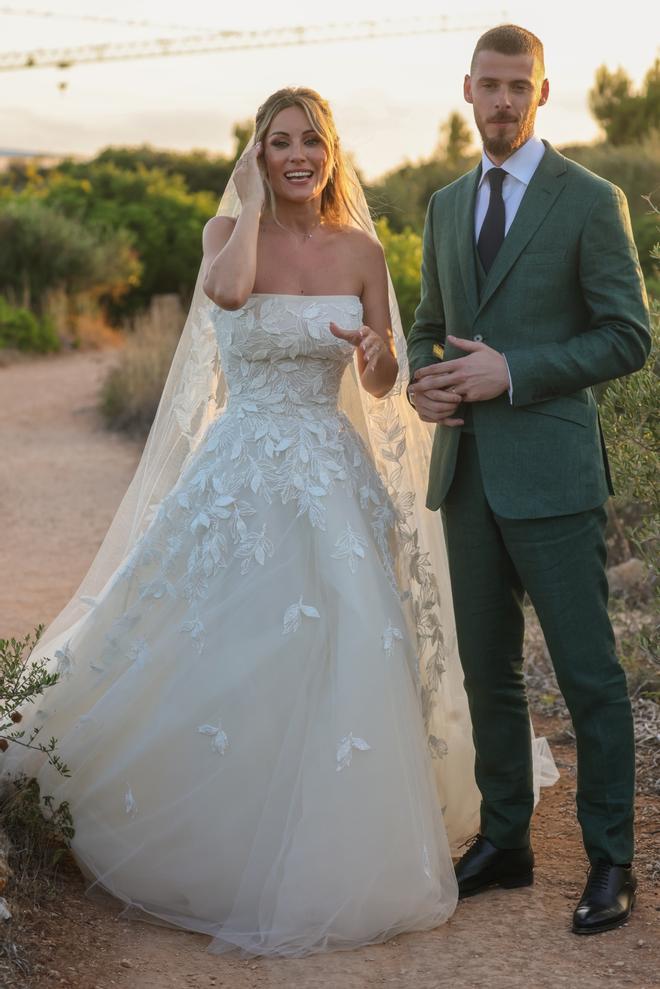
<point x="194" y="395"/>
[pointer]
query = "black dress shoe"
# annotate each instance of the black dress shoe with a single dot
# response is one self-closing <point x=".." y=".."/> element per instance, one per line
<point x="484" y="865"/>
<point x="607" y="900"/>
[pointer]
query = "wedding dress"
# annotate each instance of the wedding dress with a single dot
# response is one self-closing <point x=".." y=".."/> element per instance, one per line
<point x="239" y="707"/>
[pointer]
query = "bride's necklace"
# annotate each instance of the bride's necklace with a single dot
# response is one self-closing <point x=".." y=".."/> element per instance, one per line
<point x="298" y="234"/>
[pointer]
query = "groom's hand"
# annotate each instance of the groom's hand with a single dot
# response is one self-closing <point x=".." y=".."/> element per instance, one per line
<point x="479" y="376"/>
<point x="431" y="400"/>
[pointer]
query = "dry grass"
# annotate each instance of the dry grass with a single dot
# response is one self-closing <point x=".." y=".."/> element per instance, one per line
<point x="131" y="393"/>
<point x="633" y="625"/>
<point x="94" y="333"/>
<point x="32" y="851"/>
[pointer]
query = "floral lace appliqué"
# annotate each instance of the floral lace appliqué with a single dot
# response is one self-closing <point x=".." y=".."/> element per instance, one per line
<point x="220" y="742"/>
<point x="350" y="546"/>
<point x="64" y="658"/>
<point x="390" y="634"/>
<point x="345" y="750"/>
<point x="294" y="614"/>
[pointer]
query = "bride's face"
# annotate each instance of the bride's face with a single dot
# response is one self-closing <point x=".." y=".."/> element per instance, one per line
<point x="295" y="157"/>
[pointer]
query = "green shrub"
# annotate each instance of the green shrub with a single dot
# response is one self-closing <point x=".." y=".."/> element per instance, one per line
<point x="633" y="167"/>
<point x="629" y="413"/>
<point x="43" y="251"/>
<point x="404" y="258"/>
<point x="21" y="681"/>
<point x="21" y="804"/>
<point x="22" y="330"/>
<point x="154" y="212"/>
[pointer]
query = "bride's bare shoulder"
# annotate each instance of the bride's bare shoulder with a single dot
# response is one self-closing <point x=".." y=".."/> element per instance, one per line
<point x="360" y="243"/>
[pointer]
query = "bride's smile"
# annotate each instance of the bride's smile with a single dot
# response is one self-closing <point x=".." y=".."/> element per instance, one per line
<point x="295" y="157"/>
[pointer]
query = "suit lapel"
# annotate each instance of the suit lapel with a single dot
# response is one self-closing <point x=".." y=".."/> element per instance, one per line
<point x="546" y="184"/>
<point x="465" y="204"/>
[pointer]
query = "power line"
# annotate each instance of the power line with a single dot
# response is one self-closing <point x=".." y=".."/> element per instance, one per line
<point x="219" y="41"/>
<point x="98" y="19"/>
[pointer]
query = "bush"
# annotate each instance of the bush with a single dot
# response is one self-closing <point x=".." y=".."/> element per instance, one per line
<point x="402" y="196"/>
<point x="633" y="167"/>
<point x="132" y="390"/>
<point x="21" y="682"/>
<point x="22" y="330"/>
<point x="404" y="258"/>
<point x="42" y="251"/>
<point x="34" y="832"/>
<point x="155" y="212"/>
<point x="629" y="414"/>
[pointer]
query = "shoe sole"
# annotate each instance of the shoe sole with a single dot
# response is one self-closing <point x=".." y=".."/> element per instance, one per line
<point x="510" y="882"/>
<point x="605" y="927"/>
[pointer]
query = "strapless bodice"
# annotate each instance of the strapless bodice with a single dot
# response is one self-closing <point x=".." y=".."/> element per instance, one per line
<point x="279" y="356"/>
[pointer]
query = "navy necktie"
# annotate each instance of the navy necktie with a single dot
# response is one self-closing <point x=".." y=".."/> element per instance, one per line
<point x="492" y="231"/>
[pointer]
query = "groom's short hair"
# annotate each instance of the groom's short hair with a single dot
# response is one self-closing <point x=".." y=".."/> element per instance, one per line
<point x="509" y="39"/>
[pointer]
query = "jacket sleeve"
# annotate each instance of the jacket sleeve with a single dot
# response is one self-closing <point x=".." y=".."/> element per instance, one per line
<point x="428" y="329"/>
<point x="616" y="339"/>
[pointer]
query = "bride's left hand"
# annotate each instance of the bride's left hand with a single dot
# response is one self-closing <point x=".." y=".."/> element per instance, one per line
<point x="370" y="343"/>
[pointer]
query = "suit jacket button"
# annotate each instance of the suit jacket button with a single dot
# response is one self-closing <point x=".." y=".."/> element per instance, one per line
<point x="477" y="337"/>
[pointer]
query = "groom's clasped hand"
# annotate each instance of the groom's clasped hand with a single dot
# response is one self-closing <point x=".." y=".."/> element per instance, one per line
<point x="438" y="389"/>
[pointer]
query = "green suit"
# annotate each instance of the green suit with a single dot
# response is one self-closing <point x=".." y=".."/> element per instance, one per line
<point x="522" y="489"/>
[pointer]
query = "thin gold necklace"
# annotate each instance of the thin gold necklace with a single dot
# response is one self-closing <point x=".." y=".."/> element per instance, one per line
<point x="306" y="235"/>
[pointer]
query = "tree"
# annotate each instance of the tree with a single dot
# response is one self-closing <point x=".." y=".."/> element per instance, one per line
<point x="403" y="194"/>
<point x="199" y="170"/>
<point x="42" y="251"/>
<point x="242" y="133"/>
<point x="162" y="220"/>
<point x="455" y="140"/>
<point x="626" y="116"/>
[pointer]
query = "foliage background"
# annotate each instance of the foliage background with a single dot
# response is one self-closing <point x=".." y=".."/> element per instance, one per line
<point x="109" y="234"/>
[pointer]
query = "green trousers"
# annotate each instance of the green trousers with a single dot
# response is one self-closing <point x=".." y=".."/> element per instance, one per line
<point x="560" y="563"/>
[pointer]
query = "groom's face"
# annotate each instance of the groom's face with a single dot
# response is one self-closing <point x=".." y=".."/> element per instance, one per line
<point x="505" y="92"/>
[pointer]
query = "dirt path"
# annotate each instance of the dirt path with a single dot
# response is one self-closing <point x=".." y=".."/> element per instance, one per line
<point x="61" y="477"/>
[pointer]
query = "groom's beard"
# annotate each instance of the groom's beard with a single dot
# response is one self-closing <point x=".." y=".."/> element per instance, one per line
<point x="503" y="147"/>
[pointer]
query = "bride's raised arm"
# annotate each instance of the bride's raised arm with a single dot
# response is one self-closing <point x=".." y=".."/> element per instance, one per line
<point x="230" y="246"/>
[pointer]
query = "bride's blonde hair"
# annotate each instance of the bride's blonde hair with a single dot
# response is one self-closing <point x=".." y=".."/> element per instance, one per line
<point x="337" y="197"/>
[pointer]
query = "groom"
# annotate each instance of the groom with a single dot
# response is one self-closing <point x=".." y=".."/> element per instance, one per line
<point x="531" y="285"/>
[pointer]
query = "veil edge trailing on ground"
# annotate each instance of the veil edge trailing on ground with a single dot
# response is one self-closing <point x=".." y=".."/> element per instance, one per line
<point x="400" y="445"/>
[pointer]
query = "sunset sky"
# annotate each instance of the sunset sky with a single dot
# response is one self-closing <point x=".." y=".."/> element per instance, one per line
<point x="389" y="95"/>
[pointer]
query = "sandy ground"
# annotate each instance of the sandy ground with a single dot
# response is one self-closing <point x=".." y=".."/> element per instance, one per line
<point x="61" y="478"/>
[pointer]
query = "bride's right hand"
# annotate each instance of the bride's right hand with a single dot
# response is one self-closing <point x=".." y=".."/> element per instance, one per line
<point x="248" y="178"/>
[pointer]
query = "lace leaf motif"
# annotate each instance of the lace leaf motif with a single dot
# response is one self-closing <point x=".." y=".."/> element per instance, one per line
<point x="350" y="546"/>
<point x="220" y="742"/>
<point x="345" y="750"/>
<point x="294" y="614"/>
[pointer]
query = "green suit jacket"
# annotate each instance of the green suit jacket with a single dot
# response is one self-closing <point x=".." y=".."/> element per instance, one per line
<point x="565" y="303"/>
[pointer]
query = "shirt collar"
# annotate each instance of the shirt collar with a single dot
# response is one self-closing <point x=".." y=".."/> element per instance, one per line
<point x="521" y="164"/>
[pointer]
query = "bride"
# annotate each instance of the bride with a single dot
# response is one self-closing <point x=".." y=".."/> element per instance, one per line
<point x="260" y="699"/>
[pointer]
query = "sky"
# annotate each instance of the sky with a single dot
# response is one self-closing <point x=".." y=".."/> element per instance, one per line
<point x="389" y="96"/>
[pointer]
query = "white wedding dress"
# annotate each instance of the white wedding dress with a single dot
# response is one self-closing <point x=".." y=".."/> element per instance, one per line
<point x="240" y="708"/>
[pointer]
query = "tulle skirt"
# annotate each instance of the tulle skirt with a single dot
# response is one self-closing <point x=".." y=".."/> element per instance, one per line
<point x="254" y="767"/>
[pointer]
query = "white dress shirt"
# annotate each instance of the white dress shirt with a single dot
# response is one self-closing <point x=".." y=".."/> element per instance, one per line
<point x="520" y="168"/>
